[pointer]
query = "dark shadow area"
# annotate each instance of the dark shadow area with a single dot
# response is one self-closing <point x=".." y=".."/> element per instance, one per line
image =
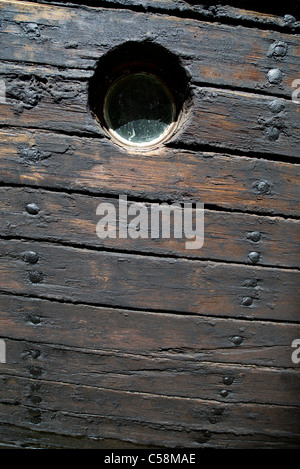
<point x="273" y="8"/>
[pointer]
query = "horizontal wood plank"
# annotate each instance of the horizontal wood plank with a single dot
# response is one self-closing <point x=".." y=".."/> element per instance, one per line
<point x="148" y="409"/>
<point x="49" y="160"/>
<point x="68" y="430"/>
<point x="239" y="121"/>
<point x="69" y="37"/>
<point x="223" y="13"/>
<point x="154" y="283"/>
<point x="154" y="335"/>
<point x="161" y="376"/>
<point x="72" y="219"/>
<point x="20" y="437"/>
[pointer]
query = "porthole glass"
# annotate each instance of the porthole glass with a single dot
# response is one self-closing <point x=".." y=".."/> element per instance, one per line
<point x="139" y="109"/>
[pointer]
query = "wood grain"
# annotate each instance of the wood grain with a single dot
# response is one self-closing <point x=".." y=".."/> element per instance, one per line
<point x="59" y="161"/>
<point x="154" y="335"/>
<point x="140" y="343"/>
<point x="182" y="377"/>
<point x="144" y="409"/>
<point x="225" y="119"/>
<point x="217" y="12"/>
<point x="72" y="430"/>
<point x="71" y="219"/>
<point x="154" y="283"/>
<point x="70" y="37"/>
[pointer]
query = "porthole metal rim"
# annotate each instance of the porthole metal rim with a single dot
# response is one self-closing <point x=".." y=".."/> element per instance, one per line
<point x="140" y="145"/>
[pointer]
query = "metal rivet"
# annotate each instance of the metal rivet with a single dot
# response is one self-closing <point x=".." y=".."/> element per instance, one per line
<point x="228" y="380"/>
<point x="272" y="133"/>
<point x="34" y="353"/>
<point x="254" y="257"/>
<point x="277" y="49"/>
<point x="237" y="340"/>
<point x="224" y="393"/>
<point x="289" y="20"/>
<point x="35" y="416"/>
<point x="31" y="257"/>
<point x="250" y="283"/>
<point x="247" y="301"/>
<point x="34" y="319"/>
<point x="275" y="76"/>
<point x="35" y="371"/>
<point x="254" y="236"/>
<point x="277" y="105"/>
<point x="35" y="276"/>
<point x="32" y="209"/>
<point x="262" y="187"/>
<point x="35" y="399"/>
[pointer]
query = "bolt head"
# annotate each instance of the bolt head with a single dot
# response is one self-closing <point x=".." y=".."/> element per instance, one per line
<point x="254" y="236"/>
<point x="275" y="76"/>
<point x="254" y="257"/>
<point x="35" y="276"/>
<point x="228" y="380"/>
<point x="32" y="209"/>
<point x="237" y="340"/>
<point x="31" y="257"/>
<point x="247" y="301"/>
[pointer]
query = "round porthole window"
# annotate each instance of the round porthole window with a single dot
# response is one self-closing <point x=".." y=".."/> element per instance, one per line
<point x="140" y="95"/>
<point x="139" y="109"/>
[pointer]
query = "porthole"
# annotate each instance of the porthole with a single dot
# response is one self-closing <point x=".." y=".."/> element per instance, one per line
<point x="139" y="109"/>
<point x="140" y="95"/>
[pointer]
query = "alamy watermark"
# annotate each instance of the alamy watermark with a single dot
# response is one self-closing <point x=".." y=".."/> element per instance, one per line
<point x="140" y="220"/>
<point x="2" y="351"/>
<point x="296" y="353"/>
<point x="2" y="91"/>
<point x="296" y="92"/>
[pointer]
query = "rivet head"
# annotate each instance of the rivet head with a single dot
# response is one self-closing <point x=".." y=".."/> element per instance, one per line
<point x="228" y="380"/>
<point x="237" y="340"/>
<point x="275" y="76"/>
<point x="262" y="187"/>
<point x="35" y="353"/>
<point x="289" y="20"/>
<point x="34" y="319"/>
<point x="35" y="276"/>
<point x="31" y="257"/>
<point x="277" y="49"/>
<point x="277" y="105"/>
<point x="35" y="416"/>
<point x="272" y="133"/>
<point x="32" y="209"/>
<point x="35" y="399"/>
<point x="247" y="301"/>
<point x="254" y="236"/>
<point x="224" y="393"/>
<point x="254" y="257"/>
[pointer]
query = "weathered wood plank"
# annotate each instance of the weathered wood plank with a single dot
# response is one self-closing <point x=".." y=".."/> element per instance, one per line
<point x="155" y="283"/>
<point x="155" y="335"/>
<point x="68" y="37"/>
<point x="161" y="376"/>
<point x="21" y="437"/>
<point x="244" y="122"/>
<point x="59" y="161"/>
<point x="46" y="432"/>
<point x="61" y="37"/>
<point x="148" y="409"/>
<point x="72" y="219"/>
<point x="223" y="13"/>
<point x="239" y="121"/>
